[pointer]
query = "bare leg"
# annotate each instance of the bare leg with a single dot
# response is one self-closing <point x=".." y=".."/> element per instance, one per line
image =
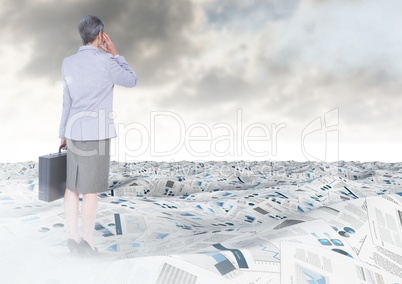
<point x="88" y="211"/>
<point x="71" y="199"/>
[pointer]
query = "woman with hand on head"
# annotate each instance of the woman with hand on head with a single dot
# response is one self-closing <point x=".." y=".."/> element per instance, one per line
<point x="87" y="125"/>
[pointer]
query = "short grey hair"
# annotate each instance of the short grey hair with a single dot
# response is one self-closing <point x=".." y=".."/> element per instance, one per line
<point x="89" y="28"/>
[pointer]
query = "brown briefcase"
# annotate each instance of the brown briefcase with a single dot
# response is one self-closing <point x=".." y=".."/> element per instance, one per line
<point x="52" y="175"/>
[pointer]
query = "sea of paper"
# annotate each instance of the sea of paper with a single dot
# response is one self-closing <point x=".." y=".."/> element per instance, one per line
<point x="213" y="222"/>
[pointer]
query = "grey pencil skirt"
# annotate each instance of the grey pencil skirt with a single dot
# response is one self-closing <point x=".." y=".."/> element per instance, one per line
<point x="88" y="166"/>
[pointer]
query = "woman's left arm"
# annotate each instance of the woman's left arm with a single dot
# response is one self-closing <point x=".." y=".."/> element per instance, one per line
<point x="66" y="110"/>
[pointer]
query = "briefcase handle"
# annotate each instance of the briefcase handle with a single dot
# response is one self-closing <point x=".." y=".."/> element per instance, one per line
<point x="61" y="147"/>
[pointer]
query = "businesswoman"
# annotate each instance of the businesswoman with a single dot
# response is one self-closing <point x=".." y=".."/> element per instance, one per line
<point x="87" y="125"/>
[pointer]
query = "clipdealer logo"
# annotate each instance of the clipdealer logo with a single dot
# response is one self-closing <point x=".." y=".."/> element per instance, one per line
<point x="325" y="131"/>
<point x="199" y="139"/>
<point x="319" y="140"/>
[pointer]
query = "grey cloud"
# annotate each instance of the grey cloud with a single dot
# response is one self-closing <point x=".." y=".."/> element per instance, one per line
<point x="341" y="52"/>
<point x="154" y="28"/>
<point x="220" y="86"/>
<point x="324" y="55"/>
<point x="213" y="87"/>
<point x="344" y="39"/>
<point x="248" y="15"/>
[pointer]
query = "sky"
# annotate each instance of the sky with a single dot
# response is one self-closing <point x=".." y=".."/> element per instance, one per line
<point x="218" y="79"/>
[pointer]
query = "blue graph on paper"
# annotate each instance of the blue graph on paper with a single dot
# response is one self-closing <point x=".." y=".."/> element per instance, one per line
<point x="223" y="265"/>
<point x="309" y="277"/>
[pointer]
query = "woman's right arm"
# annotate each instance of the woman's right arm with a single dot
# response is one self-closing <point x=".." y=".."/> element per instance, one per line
<point x="120" y="72"/>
